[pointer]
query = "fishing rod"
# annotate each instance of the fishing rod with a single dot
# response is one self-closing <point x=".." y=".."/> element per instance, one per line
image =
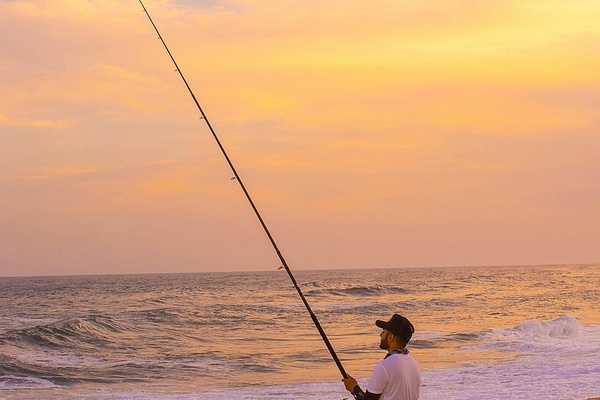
<point x="260" y="219"/>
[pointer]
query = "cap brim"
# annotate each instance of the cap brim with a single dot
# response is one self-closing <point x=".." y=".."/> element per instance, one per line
<point x="381" y="324"/>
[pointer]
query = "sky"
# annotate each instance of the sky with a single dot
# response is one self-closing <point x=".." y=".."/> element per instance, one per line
<point x="371" y="134"/>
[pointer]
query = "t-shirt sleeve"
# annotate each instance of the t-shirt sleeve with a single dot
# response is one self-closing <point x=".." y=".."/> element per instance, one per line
<point x="379" y="380"/>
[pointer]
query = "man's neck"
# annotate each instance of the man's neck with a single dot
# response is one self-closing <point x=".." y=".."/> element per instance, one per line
<point x="394" y="347"/>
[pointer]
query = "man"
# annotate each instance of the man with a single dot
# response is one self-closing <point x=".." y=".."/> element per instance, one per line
<point x="397" y="376"/>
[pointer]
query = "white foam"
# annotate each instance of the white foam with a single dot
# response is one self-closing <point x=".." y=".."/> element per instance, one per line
<point x="323" y="391"/>
<point x="10" y="382"/>
<point x="522" y="378"/>
<point x="531" y="337"/>
<point x="556" y="360"/>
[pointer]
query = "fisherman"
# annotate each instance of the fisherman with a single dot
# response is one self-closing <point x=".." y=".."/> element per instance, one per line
<point x="397" y="376"/>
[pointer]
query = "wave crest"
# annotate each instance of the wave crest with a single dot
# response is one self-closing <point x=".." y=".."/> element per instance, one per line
<point x="535" y="330"/>
<point x="565" y="326"/>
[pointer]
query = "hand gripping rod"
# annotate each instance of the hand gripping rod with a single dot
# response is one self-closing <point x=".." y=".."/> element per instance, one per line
<point x="262" y="223"/>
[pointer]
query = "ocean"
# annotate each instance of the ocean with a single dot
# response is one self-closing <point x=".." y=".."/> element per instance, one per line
<point x="523" y="332"/>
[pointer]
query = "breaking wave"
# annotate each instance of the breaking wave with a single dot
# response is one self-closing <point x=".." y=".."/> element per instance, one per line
<point x="563" y="327"/>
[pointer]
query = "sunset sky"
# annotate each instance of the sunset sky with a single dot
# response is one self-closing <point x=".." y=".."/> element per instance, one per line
<point x="370" y="133"/>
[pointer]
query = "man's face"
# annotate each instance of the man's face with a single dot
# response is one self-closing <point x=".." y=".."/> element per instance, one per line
<point x="384" y="335"/>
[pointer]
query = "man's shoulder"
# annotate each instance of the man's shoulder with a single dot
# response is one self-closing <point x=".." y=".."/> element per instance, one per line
<point x="397" y="359"/>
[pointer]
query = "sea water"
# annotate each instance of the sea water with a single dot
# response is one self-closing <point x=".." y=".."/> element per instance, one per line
<point x="530" y="332"/>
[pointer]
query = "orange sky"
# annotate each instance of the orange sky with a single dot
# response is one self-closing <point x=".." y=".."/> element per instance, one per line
<point x="370" y="134"/>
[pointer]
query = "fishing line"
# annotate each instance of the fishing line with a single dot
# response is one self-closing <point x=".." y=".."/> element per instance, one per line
<point x="260" y="219"/>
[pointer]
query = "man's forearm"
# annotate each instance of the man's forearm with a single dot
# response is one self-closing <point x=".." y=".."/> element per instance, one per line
<point x="359" y="394"/>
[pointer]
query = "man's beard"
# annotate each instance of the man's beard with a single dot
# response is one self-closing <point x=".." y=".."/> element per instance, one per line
<point x="383" y="344"/>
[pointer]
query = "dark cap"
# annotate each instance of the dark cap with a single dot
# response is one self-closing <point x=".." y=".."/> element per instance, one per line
<point x="399" y="326"/>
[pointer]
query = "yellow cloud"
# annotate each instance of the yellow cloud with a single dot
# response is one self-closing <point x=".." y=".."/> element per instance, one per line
<point x="34" y="123"/>
<point x="54" y="173"/>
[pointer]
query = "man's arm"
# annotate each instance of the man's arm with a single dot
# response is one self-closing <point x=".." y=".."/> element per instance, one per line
<point x="353" y="387"/>
<point x="360" y="395"/>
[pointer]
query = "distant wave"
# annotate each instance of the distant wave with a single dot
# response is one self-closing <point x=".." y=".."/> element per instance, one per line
<point x="424" y="344"/>
<point x="356" y="291"/>
<point x="444" y="339"/>
<point x="90" y="330"/>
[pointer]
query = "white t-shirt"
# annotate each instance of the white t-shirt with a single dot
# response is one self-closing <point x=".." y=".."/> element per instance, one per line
<point x="396" y="378"/>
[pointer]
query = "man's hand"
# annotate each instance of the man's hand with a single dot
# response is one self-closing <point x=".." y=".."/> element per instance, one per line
<point x="350" y="383"/>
